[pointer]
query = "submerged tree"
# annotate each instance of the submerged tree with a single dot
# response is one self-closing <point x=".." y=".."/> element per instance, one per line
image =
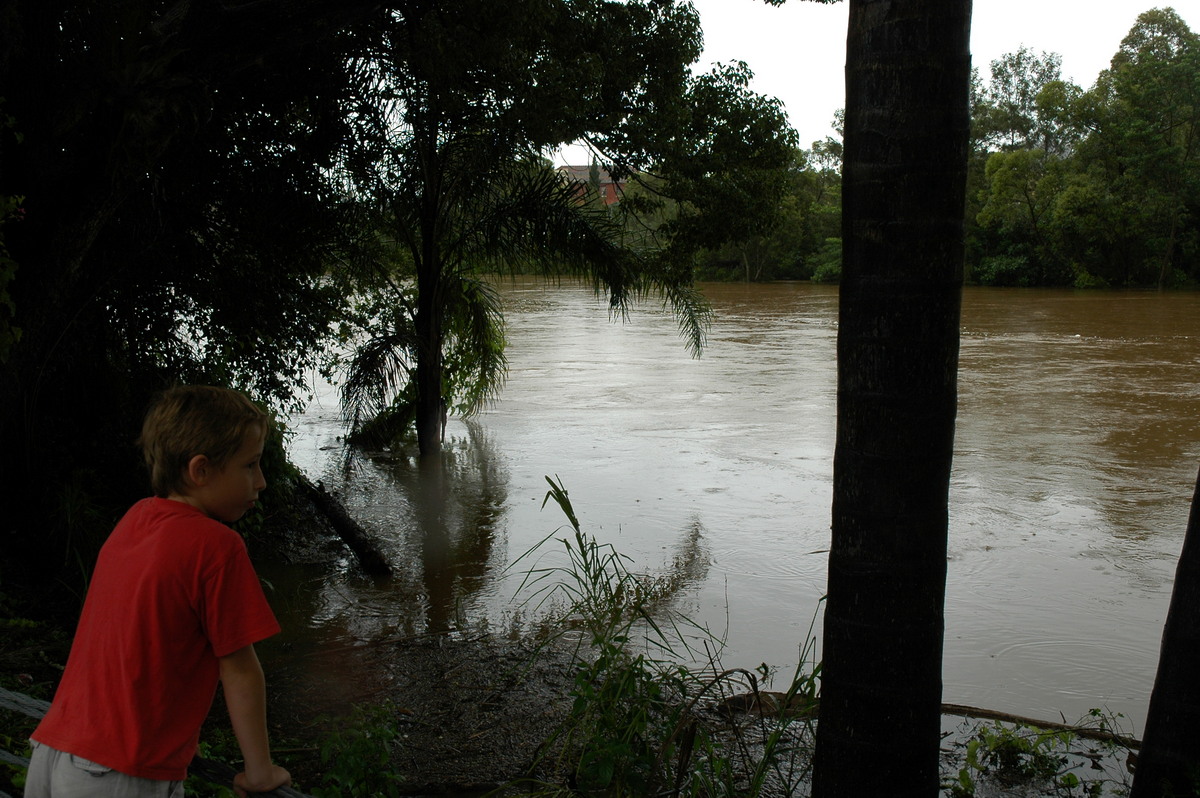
<point x="906" y="139"/>
<point x="473" y="97"/>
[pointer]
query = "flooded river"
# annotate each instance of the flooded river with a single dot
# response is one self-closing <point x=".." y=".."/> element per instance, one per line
<point x="1077" y="448"/>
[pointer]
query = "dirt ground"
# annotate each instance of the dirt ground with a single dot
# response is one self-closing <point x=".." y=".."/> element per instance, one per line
<point x="471" y="712"/>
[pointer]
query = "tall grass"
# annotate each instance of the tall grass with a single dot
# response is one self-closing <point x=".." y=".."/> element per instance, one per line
<point x="641" y="724"/>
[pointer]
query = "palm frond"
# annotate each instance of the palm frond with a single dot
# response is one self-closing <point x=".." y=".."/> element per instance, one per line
<point x="475" y="363"/>
<point x="537" y="219"/>
<point x="380" y="370"/>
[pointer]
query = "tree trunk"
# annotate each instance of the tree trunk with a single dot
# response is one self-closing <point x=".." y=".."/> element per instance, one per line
<point x="906" y="142"/>
<point x="1169" y="762"/>
<point x="429" y="357"/>
<point x="430" y="294"/>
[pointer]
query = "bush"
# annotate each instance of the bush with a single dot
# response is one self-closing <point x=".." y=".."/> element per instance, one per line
<point x="1005" y="270"/>
<point x="1084" y="279"/>
<point x="357" y="760"/>
<point x="637" y="726"/>
<point x="827" y="263"/>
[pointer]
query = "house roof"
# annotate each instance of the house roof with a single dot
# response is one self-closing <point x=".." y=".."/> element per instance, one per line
<point x="583" y="173"/>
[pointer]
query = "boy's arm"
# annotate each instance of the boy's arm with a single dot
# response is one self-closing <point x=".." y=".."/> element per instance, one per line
<point x="246" y="698"/>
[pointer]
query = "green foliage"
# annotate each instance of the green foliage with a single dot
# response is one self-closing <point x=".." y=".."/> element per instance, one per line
<point x="32" y="652"/>
<point x="1016" y="109"/>
<point x="1085" y="280"/>
<point x="1086" y="761"/>
<point x="622" y="729"/>
<point x="1018" y="754"/>
<point x="356" y="760"/>
<point x="13" y="775"/>
<point x="219" y="745"/>
<point x="1004" y="270"/>
<point x="1090" y="188"/>
<point x="183" y="223"/>
<point x="827" y="262"/>
<point x="636" y="726"/>
<point x="376" y="392"/>
<point x="789" y="245"/>
<point x="464" y="101"/>
<point x="728" y="168"/>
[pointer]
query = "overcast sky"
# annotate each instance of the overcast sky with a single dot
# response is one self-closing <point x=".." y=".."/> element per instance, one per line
<point x="798" y="51"/>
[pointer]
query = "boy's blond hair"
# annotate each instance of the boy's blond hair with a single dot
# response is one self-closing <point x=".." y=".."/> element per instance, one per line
<point x="190" y="420"/>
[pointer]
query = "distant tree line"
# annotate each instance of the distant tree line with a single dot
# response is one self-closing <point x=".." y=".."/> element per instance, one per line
<point x="1066" y="186"/>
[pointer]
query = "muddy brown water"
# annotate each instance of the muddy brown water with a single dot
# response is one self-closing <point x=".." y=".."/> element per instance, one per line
<point x="1077" y="446"/>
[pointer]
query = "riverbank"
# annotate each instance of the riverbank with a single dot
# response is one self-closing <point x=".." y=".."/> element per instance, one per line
<point x="467" y="713"/>
<point x="461" y="716"/>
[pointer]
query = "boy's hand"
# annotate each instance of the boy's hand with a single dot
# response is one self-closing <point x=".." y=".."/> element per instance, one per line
<point x="270" y="779"/>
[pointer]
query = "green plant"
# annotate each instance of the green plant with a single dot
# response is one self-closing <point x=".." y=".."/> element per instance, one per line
<point x="1005" y="270"/>
<point x="13" y="774"/>
<point x="625" y="724"/>
<point x="1012" y="756"/>
<point x="356" y="759"/>
<point x="827" y="262"/>
<point x="638" y="724"/>
<point x="217" y="743"/>
<point x="211" y="749"/>
<point x="1085" y="279"/>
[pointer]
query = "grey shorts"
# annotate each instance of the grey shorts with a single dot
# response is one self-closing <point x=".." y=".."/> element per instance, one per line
<point x="55" y="774"/>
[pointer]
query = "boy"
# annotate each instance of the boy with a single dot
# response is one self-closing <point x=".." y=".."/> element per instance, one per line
<point x="174" y="606"/>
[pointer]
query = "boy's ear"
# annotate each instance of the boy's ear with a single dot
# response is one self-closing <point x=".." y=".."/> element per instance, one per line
<point x="198" y="470"/>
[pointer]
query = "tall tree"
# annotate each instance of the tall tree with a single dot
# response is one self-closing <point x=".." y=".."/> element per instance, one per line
<point x="1022" y="130"/>
<point x="906" y="139"/>
<point x="1169" y="761"/>
<point x="179" y="219"/>
<point x="1146" y="115"/>
<point x="1009" y="115"/>
<point x="478" y="91"/>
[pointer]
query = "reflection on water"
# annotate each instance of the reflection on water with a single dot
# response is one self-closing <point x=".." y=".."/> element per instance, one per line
<point x="1077" y="445"/>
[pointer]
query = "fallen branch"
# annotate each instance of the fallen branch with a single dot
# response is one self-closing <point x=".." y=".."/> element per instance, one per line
<point x="349" y="530"/>
<point x="773" y="704"/>
<point x="1087" y="732"/>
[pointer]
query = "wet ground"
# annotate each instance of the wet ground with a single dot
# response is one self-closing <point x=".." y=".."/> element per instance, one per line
<point x="472" y="709"/>
<point x="471" y="713"/>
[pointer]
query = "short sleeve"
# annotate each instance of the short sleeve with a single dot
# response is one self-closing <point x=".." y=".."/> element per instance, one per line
<point x="234" y="612"/>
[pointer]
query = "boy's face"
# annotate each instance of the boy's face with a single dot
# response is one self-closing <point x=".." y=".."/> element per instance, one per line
<point x="228" y="492"/>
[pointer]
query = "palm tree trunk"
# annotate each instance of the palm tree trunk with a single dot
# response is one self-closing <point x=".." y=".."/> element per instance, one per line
<point x="430" y="290"/>
<point x="429" y="327"/>
<point x="906" y="143"/>
<point x="1169" y="761"/>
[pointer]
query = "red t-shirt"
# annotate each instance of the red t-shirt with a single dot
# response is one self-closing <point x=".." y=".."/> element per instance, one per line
<point x="173" y="591"/>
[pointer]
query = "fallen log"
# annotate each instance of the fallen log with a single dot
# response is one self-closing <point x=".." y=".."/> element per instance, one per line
<point x="773" y="704"/>
<point x="1087" y="732"/>
<point x="350" y="531"/>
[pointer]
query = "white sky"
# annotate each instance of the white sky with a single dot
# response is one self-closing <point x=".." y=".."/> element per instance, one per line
<point x="798" y="51"/>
